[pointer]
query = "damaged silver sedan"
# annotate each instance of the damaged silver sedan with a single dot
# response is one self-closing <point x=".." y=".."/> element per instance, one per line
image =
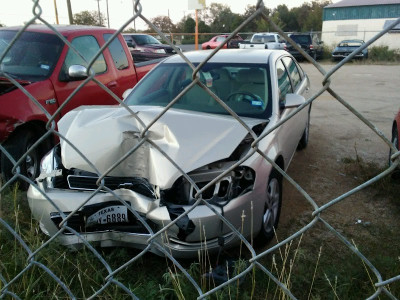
<point x="117" y="184"/>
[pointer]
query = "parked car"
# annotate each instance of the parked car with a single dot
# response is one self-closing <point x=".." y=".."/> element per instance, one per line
<point x="395" y="137"/>
<point x="50" y="72"/>
<point x="199" y="135"/>
<point x="146" y="47"/>
<point x="309" y="42"/>
<point x="264" y="40"/>
<point x="346" y="47"/>
<point x="219" y="39"/>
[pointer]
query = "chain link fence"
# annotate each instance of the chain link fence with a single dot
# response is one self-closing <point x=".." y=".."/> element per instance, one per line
<point x="36" y="252"/>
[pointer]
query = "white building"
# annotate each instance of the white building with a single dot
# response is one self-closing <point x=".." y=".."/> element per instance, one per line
<point x="361" y="19"/>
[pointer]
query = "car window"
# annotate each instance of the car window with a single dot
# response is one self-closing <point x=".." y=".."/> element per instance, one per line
<point x="144" y="39"/>
<point x="263" y="38"/>
<point x="33" y="56"/>
<point x="301" y="39"/>
<point x="284" y="85"/>
<point x="220" y="39"/>
<point x="245" y="88"/>
<point x="293" y="71"/>
<point x="117" y="52"/>
<point x="87" y="46"/>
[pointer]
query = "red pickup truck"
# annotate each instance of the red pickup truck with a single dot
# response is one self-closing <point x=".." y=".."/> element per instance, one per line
<point x="50" y="73"/>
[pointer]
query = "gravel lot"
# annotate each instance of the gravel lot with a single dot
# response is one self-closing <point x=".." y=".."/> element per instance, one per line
<point x="336" y="135"/>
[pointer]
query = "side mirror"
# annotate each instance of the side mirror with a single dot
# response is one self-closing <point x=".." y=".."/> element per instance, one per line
<point x="77" y="72"/>
<point x="294" y="100"/>
<point x="126" y="93"/>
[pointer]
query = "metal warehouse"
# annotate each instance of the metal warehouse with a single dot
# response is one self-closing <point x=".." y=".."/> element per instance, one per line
<point x="361" y="19"/>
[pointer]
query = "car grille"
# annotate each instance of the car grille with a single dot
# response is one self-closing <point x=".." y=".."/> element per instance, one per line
<point x="140" y="185"/>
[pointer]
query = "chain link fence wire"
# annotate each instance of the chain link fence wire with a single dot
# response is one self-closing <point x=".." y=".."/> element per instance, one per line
<point x="113" y="274"/>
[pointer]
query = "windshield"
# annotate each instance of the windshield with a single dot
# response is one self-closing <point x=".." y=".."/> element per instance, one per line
<point x="32" y="57"/>
<point x="245" y="88"/>
<point x="145" y="39"/>
<point x="350" y="44"/>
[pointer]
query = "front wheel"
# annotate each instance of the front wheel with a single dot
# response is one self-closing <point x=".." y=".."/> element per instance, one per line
<point x="272" y="207"/>
<point x="17" y="145"/>
<point x="395" y="142"/>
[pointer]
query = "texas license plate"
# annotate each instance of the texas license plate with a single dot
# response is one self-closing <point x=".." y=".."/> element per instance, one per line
<point x="109" y="214"/>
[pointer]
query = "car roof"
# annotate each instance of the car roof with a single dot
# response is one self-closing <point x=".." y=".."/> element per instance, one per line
<point x="253" y="56"/>
<point x="63" y="29"/>
<point x="346" y="41"/>
<point x="136" y="34"/>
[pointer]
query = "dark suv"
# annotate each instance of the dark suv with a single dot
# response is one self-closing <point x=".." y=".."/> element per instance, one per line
<point x="309" y="42"/>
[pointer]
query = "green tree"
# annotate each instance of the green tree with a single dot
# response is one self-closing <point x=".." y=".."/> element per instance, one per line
<point x="220" y="18"/>
<point x="89" y="18"/>
<point x="163" y="23"/>
<point x="258" y="24"/>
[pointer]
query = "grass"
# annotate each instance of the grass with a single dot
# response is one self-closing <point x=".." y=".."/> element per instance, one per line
<point x="310" y="267"/>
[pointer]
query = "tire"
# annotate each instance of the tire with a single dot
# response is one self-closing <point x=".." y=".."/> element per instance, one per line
<point x="17" y="145"/>
<point x="395" y="142"/>
<point x="208" y="47"/>
<point x="272" y="208"/>
<point x="306" y="134"/>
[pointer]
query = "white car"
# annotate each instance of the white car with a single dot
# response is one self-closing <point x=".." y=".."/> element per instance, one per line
<point x="144" y="190"/>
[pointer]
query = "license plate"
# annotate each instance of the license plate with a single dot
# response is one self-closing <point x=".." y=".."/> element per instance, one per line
<point x="109" y="214"/>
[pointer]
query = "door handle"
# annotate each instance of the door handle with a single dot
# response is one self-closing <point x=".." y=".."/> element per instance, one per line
<point x="112" y="84"/>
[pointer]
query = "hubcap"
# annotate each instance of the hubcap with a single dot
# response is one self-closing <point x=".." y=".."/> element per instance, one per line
<point x="271" y="205"/>
<point x="31" y="164"/>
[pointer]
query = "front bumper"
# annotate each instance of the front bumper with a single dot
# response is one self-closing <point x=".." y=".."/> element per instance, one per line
<point x="345" y="54"/>
<point x="206" y="234"/>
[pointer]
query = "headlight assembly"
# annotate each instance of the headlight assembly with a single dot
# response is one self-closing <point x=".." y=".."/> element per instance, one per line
<point x="49" y="165"/>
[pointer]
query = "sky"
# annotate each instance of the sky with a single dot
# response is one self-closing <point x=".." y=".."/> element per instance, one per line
<point x="17" y="12"/>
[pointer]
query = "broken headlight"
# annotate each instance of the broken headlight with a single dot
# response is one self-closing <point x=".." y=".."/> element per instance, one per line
<point x="49" y="165"/>
<point x="235" y="183"/>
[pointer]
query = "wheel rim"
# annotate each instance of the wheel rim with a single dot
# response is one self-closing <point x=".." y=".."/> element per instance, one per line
<point x="271" y="205"/>
<point x="31" y="164"/>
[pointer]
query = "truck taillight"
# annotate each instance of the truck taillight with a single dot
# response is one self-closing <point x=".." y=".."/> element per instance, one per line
<point x="311" y="47"/>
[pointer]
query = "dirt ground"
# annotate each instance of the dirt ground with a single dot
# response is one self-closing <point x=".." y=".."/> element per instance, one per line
<point x="336" y="135"/>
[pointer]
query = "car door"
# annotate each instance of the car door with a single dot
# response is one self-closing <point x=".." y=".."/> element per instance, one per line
<point x="291" y="79"/>
<point x="91" y="93"/>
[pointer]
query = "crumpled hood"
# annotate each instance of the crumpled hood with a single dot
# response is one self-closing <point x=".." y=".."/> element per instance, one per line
<point x="104" y="134"/>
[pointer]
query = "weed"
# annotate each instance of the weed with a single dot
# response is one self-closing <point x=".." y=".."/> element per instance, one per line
<point x="383" y="53"/>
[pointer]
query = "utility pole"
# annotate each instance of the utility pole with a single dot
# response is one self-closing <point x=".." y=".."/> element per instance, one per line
<point x="134" y="21"/>
<point x="55" y="9"/>
<point x="108" y="15"/>
<point x="98" y="8"/>
<point x="71" y="19"/>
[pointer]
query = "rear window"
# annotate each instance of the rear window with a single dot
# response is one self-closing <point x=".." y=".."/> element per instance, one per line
<point x="263" y="39"/>
<point x="301" y="39"/>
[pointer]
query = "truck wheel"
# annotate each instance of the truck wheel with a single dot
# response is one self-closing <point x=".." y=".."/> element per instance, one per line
<point x="17" y="145"/>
